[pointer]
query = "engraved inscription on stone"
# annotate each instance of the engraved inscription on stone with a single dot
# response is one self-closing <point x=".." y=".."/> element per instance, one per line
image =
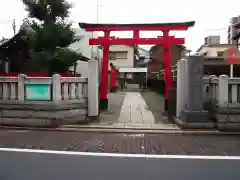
<point x="195" y="83"/>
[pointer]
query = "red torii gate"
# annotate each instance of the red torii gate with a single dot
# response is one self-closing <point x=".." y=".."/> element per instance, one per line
<point x="107" y="40"/>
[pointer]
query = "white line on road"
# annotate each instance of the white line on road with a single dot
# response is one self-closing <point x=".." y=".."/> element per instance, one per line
<point x="18" y="131"/>
<point x="119" y="155"/>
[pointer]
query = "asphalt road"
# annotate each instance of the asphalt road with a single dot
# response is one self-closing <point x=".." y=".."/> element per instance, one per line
<point x="180" y="144"/>
<point x="39" y="166"/>
<point x="187" y="157"/>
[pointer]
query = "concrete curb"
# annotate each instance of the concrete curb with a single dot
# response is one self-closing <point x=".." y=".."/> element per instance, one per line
<point x="130" y="131"/>
<point x="185" y="125"/>
<point x="118" y="127"/>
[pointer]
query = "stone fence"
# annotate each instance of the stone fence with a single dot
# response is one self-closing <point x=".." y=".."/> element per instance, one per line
<point x="49" y="101"/>
<point x="206" y="100"/>
<point x="224" y="91"/>
<point x="55" y="88"/>
<point x="222" y="94"/>
<point x="160" y="75"/>
<point x="155" y="81"/>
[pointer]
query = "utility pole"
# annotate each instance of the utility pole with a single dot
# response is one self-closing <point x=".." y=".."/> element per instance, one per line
<point x="14" y="26"/>
<point x="97" y="21"/>
<point x="97" y="11"/>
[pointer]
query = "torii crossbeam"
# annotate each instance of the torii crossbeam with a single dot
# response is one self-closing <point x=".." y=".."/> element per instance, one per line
<point x="166" y="40"/>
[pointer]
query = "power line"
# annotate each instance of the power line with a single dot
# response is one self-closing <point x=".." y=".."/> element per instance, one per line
<point x="5" y="22"/>
<point x="14" y="26"/>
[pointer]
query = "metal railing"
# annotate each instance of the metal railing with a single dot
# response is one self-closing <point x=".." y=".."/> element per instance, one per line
<point x="160" y="75"/>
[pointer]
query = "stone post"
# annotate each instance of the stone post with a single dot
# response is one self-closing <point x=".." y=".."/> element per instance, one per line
<point x="193" y="112"/>
<point x="21" y="88"/>
<point x="93" y="88"/>
<point x="195" y="83"/>
<point x="56" y="88"/>
<point x="181" y="86"/>
<point x="212" y="88"/>
<point x="223" y="90"/>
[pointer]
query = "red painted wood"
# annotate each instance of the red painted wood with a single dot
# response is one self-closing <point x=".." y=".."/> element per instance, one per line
<point x="167" y="62"/>
<point x="105" y="61"/>
<point x="132" y="41"/>
<point x="139" y="28"/>
<point x="106" y="41"/>
<point x="136" y="34"/>
<point x="167" y="69"/>
<point x="166" y="40"/>
<point x="33" y="75"/>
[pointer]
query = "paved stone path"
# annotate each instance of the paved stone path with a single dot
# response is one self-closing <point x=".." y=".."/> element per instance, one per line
<point x="134" y="111"/>
<point x="136" y="114"/>
<point x="129" y="110"/>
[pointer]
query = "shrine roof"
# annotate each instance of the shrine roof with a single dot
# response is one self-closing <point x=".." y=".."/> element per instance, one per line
<point x="183" y="24"/>
<point x="20" y="36"/>
<point x="9" y="42"/>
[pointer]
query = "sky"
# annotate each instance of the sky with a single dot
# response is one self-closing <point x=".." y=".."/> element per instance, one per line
<point x="211" y="16"/>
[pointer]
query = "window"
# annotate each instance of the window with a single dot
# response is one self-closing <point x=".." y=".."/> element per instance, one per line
<point x="220" y="53"/>
<point x="121" y="55"/>
<point x="112" y="56"/>
<point x="118" y="55"/>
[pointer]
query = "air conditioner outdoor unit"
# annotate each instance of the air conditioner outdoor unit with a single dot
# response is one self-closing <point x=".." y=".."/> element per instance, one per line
<point x="213" y="40"/>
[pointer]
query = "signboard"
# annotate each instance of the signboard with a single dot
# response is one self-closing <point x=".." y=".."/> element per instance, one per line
<point x="38" y="92"/>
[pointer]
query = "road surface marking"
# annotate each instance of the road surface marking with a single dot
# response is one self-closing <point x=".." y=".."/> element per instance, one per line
<point x="119" y="155"/>
<point x="18" y="131"/>
<point x="134" y="135"/>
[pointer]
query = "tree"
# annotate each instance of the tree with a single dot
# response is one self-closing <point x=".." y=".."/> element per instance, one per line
<point x="52" y="35"/>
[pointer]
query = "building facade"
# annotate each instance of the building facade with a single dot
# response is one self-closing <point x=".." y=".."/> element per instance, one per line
<point x="14" y="53"/>
<point x="143" y="52"/>
<point x="142" y="57"/>
<point x="214" y="50"/>
<point x="156" y="55"/>
<point x="81" y="45"/>
<point x="122" y="56"/>
<point x="216" y="61"/>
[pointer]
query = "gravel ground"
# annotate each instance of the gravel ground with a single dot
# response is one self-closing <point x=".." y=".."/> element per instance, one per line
<point x="122" y="143"/>
<point x="155" y="103"/>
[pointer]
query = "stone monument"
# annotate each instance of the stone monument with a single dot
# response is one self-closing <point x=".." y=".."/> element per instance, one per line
<point x="193" y="112"/>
